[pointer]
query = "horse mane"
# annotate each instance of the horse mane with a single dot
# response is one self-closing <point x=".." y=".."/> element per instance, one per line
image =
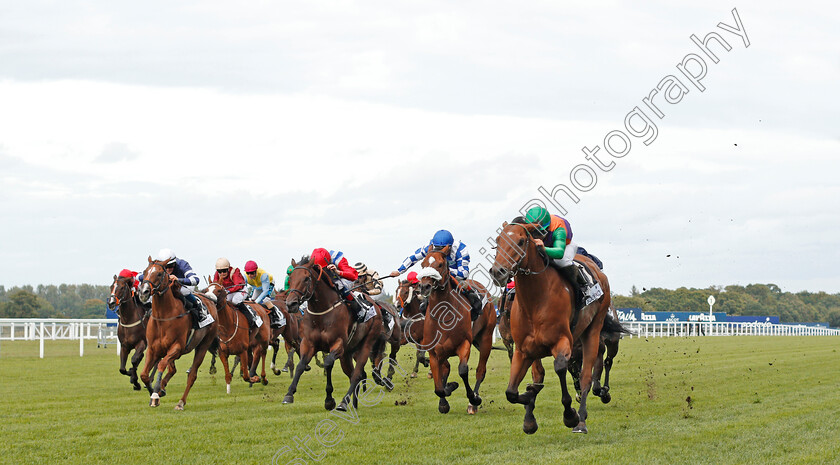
<point x="304" y="260"/>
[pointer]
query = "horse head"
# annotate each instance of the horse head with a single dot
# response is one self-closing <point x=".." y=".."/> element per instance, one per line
<point x="305" y="276"/>
<point x="155" y="281"/>
<point x="122" y="290"/>
<point x="514" y="248"/>
<point x="434" y="274"/>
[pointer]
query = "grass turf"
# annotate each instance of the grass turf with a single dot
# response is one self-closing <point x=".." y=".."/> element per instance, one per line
<point x="680" y="400"/>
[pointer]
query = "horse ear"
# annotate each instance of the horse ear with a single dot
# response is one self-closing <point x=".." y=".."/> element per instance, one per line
<point x="504" y="224"/>
<point x="115" y="277"/>
<point x="293" y="263"/>
<point x="150" y="259"/>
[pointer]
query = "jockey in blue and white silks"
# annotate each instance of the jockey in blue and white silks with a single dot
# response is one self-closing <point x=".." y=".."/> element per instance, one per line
<point x="458" y="258"/>
<point x="182" y="270"/>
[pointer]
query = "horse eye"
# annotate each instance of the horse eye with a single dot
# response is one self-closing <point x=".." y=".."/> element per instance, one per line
<point x="521" y="242"/>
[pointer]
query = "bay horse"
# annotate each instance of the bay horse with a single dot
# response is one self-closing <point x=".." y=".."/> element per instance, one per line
<point x="131" y="327"/>
<point x="290" y="332"/>
<point x="411" y="321"/>
<point x="505" y="305"/>
<point x="235" y="337"/>
<point x="394" y="339"/>
<point x="329" y="327"/>
<point x="611" y="334"/>
<point x="448" y="330"/>
<point x="544" y="322"/>
<point x="169" y="334"/>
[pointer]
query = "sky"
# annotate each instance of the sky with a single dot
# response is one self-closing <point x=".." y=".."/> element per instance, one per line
<point x="261" y="130"/>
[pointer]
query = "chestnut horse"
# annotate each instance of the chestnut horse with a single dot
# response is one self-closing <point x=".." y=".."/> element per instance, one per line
<point x="411" y="321"/>
<point x="448" y="330"/>
<point x="544" y="322"/>
<point x="234" y="335"/>
<point x="328" y="327"/>
<point x="131" y="330"/>
<point x="169" y="334"/>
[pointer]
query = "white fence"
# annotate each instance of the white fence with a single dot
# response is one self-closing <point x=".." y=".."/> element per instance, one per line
<point x="53" y="329"/>
<point x="685" y="329"/>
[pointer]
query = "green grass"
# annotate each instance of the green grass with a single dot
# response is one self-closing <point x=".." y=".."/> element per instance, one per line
<point x="752" y="400"/>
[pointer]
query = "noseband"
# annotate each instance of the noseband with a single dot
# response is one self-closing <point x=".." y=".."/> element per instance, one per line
<point x="160" y="287"/>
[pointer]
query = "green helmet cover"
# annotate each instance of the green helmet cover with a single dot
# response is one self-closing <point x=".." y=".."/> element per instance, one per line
<point x="538" y="216"/>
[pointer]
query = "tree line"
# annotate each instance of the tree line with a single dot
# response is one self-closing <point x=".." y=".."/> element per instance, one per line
<point x="88" y="301"/>
<point x="752" y="300"/>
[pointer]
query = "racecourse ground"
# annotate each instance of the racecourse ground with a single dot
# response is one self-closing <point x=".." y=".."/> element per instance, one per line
<point x="716" y="400"/>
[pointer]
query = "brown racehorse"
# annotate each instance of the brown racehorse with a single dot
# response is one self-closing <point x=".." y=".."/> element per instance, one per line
<point x="169" y="334"/>
<point x="131" y="330"/>
<point x="544" y="322"/>
<point x="408" y="298"/>
<point x="448" y="330"/>
<point x="290" y="332"/>
<point x="608" y="348"/>
<point x="328" y="327"/>
<point x="505" y="306"/>
<point x="234" y="335"/>
<point x="394" y="339"/>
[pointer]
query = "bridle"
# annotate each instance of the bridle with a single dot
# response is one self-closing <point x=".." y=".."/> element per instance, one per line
<point x="309" y="292"/>
<point x="161" y="286"/>
<point x="412" y="287"/>
<point x="517" y="267"/>
<point x="118" y="301"/>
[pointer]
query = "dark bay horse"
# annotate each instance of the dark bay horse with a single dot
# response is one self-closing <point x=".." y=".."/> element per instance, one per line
<point x="544" y="322"/>
<point x="328" y="327"/>
<point x="131" y="330"/>
<point x="169" y="332"/>
<point x="408" y="298"/>
<point x="234" y="335"/>
<point x="611" y="334"/>
<point x="448" y="331"/>
<point x="290" y="332"/>
<point x="392" y="338"/>
<point x="505" y="306"/>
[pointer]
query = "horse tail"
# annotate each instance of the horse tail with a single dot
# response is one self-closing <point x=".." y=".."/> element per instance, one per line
<point x="613" y="327"/>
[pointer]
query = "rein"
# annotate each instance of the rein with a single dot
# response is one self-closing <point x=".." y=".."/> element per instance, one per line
<point x="518" y="264"/>
<point x="235" y="328"/>
<point x="119" y="301"/>
<point x="309" y="292"/>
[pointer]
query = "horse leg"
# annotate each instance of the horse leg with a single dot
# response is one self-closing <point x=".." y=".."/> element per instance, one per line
<point x="392" y="360"/>
<point x="597" y="369"/>
<point x="509" y="346"/>
<point x="485" y="346"/>
<point x="263" y="348"/>
<point x="591" y="341"/>
<point x="151" y="361"/>
<point x="223" y="356"/>
<point x="307" y="352"/>
<point x="124" y="350"/>
<point x="200" y="352"/>
<point x="360" y="358"/>
<point x="562" y="356"/>
<point x="329" y="362"/>
<point x="612" y="350"/>
<point x="518" y="368"/>
<point x="290" y="362"/>
<point x="139" y="351"/>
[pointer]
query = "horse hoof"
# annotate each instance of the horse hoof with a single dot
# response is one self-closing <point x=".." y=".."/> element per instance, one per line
<point x="577" y="397"/>
<point x="137" y="387"/>
<point x="596" y="391"/>
<point x="307" y="368"/>
<point x="289" y="400"/>
<point x="572" y="419"/>
<point x="606" y="398"/>
<point x="264" y="381"/>
<point x="471" y="410"/>
<point x="284" y="370"/>
<point x="212" y="370"/>
<point x="530" y="426"/>
<point x="329" y="403"/>
<point x="429" y="375"/>
<point x="342" y="407"/>
<point x="580" y="428"/>
<point x="154" y="400"/>
<point x="180" y="405"/>
<point x="414" y="375"/>
<point x="443" y="407"/>
<point x="124" y="372"/>
<point x="476" y="401"/>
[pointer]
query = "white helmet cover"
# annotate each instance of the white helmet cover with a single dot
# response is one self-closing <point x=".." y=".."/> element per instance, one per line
<point x="222" y="264"/>
<point x="166" y="255"/>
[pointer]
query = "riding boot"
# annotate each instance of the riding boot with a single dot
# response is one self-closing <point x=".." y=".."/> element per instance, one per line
<point x="475" y="304"/>
<point x="387" y="319"/>
<point x="247" y="311"/>
<point x="274" y="317"/>
<point x="572" y="276"/>
<point x="357" y="310"/>
<point x="197" y="310"/>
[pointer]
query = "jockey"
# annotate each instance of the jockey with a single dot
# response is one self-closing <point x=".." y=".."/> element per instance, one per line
<point x="288" y="275"/>
<point x="181" y="271"/>
<point x="261" y="290"/>
<point x="234" y="283"/>
<point x="368" y="282"/>
<point x="343" y="276"/>
<point x="126" y="273"/>
<point x="458" y="259"/>
<point x="560" y="248"/>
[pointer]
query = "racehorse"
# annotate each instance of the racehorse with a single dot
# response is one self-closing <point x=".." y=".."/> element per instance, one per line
<point x="411" y="321"/>
<point x="505" y="306"/>
<point x="610" y="337"/>
<point x="328" y="327"/>
<point x="290" y="332"/>
<point x="544" y="321"/>
<point x="169" y="334"/>
<point x="448" y="330"/>
<point x="234" y="335"/>
<point x="394" y="339"/>
<point x="131" y="329"/>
